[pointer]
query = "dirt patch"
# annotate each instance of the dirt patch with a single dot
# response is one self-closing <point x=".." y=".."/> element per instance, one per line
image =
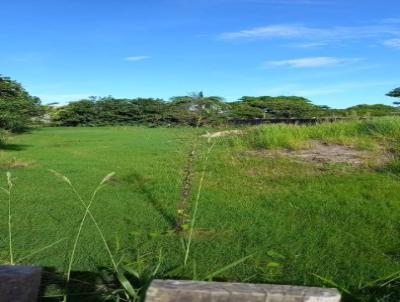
<point x="222" y="133"/>
<point x="334" y="154"/>
<point x="19" y="163"/>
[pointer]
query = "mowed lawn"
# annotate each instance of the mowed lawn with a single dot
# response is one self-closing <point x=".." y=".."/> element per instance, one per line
<point x="301" y="224"/>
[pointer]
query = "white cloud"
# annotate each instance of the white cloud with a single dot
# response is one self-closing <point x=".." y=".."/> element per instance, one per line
<point x="136" y="58"/>
<point x="392" y="43"/>
<point x="337" y="33"/>
<point x="313" y="62"/>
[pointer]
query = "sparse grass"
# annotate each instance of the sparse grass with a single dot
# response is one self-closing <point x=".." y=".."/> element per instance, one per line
<point x="303" y="224"/>
<point x="362" y="134"/>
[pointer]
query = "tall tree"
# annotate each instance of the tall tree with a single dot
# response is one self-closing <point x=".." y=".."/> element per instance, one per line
<point x="199" y="109"/>
<point x="17" y="106"/>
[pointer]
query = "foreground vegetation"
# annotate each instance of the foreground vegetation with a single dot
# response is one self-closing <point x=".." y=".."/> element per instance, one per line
<point x="382" y="132"/>
<point x="260" y="218"/>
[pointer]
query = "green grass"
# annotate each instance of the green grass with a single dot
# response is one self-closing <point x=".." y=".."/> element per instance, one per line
<point x="305" y="224"/>
<point x="356" y="132"/>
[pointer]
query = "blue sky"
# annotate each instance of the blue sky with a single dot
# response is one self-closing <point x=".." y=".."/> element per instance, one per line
<point x="334" y="52"/>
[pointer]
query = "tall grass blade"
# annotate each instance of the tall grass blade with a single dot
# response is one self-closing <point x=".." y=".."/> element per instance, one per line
<point x="196" y="204"/>
<point x="63" y="177"/>
<point x="387" y="280"/>
<point x="107" y="178"/>
<point x="127" y="285"/>
<point x="187" y="184"/>
<point x="87" y="212"/>
<point x="10" y="240"/>
<point x="227" y="267"/>
<point x="332" y="283"/>
<point x="40" y="250"/>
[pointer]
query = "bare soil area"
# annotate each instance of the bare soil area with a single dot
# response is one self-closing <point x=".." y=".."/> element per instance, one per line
<point x="333" y="154"/>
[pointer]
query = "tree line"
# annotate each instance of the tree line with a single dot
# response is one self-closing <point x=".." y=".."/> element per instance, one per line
<point x="197" y="109"/>
<point x="19" y="110"/>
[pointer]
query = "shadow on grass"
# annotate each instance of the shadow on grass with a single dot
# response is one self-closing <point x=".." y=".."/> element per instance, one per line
<point x="14" y="147"/>
<point x="96" y="286"/>
<point x="144" y="188"/>
<point x="83" y="286"/>
<point x="374" y="294"/>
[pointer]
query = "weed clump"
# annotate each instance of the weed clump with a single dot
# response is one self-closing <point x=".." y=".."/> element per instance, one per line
<point x="365" y="134"/>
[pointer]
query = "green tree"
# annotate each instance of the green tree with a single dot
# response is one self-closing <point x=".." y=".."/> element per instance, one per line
<point x="196" y="108"/>
<point x="285" y="107"/>
<point x="242" y="110"/>
<point x="97" y="111"/>
<point x="396" y="94"/>
<point x="372" y="110"/>
<point x="17" y="106"/>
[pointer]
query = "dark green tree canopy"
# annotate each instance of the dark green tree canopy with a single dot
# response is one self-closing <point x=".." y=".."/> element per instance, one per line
<point x="110" y="111"/>
<point x="285" y="106"/>
<point x="373" y="110"/>
<point x="396" y="94"/>
<point x="197" y="101"/>
<point x="17" y="106"/>
<point x="198" y="109"/>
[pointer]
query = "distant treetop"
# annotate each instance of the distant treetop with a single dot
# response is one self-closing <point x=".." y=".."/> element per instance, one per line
<point x="394" y="93"/>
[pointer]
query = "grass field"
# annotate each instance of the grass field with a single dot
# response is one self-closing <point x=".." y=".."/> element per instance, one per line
<point x="301" y="222"/>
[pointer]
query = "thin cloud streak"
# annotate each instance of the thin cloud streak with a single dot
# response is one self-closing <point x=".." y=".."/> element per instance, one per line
<point x="312" y="62"/>
<point x="336" y="33"/>
<point x="136" y="58"/>
<point x="307" y="91"/>
<point x="310" y="45"/>
<point x="392" y="43"/>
